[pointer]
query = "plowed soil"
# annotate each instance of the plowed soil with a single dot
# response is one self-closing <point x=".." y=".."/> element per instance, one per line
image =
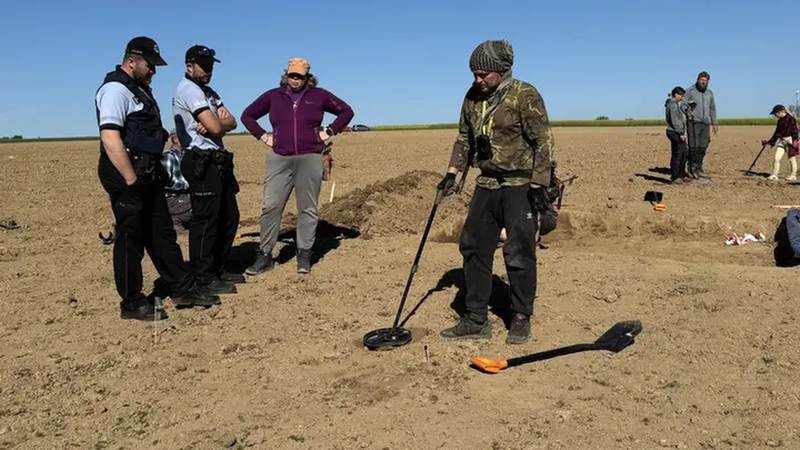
<point x="280" y="365"/>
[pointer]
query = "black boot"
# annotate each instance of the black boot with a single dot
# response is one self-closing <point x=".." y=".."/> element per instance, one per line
<point x="263" y="263"/>
<point x="217" y="286"/>
<point x="469" y="328"/>
<point x="142" y="308"/>
<point x="520" y="330"/>
<point x="235" y="278"/>
<point x="195" y="296"/>
<point x="303" y="261"/>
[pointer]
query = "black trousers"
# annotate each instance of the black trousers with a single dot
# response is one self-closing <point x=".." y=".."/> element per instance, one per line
<point x="215" y="217"/>
<point x="680" y="153"/>
<point x="143" y="222"/>
<point x="489" y="212"/>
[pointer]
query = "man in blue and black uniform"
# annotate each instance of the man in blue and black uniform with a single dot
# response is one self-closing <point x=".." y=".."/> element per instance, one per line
<point x="202" y="120"/>
<point x="132" y="139"/>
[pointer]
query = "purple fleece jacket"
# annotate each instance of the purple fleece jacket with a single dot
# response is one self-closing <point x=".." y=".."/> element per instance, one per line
<point x="296" y="129"/>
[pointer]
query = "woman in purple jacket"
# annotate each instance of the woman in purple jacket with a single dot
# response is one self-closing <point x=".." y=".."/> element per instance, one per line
<point x="294" y="161"/>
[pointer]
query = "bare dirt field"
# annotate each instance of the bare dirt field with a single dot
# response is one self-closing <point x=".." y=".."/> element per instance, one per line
<point x="280" y="365"/>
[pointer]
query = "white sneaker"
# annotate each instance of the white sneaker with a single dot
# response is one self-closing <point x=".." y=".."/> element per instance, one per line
<point x="791" y="178"/>
<point x="772" y="177"/>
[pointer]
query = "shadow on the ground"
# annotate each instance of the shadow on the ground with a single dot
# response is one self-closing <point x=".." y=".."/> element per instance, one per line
<point x="499" y="302"/>
<point x="241" y="256"/>
<point x="329" y="237"/>
<point x="660" y="170"/>
<point x="754" y="174"/>
<point x="652" y="178"/>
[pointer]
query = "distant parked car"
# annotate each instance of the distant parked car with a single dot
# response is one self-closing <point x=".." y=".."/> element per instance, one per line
<point x="347" y="130"/>
<point x="360" y="128"/>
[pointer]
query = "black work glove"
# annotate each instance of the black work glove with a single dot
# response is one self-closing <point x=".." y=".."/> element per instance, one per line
<point x="448" y="184"/>
<point x="537" y="197"/>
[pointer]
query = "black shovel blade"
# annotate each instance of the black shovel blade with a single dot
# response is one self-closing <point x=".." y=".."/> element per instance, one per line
<point x="620" y="336"/>
<point x="653" y="196"/>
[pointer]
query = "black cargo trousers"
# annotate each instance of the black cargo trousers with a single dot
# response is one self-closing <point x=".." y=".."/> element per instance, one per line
<point x="143" y="222"/>
<point x="215" y="212"/>
<point x="490" y="211"/>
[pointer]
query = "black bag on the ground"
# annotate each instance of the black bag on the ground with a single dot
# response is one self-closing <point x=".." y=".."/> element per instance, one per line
<point x="787" y="240"/>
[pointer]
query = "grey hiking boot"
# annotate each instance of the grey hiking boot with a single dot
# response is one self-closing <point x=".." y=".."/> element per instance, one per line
<point x="467" y="328"/>
<point x="520" y="329"/>
<point x="263" y="263"/>
<point x="303" y="260"/>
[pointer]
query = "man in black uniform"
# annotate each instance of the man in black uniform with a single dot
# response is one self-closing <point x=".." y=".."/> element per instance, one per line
<point x="131" y="142"/>
<point x="202" y="120"/>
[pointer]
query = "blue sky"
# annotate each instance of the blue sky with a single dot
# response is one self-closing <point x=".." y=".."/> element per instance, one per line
<point x="403" y="62"/>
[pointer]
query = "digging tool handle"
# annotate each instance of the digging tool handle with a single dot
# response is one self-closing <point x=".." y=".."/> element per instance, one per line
<point x="415" y="266"/>
<point x="552" y="354"/>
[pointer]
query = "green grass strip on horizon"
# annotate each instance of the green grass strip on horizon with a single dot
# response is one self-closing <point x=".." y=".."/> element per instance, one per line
<point x="451" y="126"/>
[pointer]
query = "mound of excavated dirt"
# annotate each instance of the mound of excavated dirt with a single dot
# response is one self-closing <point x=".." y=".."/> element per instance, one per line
<point x="399" y="205"/>
<point x="573" y="224"/>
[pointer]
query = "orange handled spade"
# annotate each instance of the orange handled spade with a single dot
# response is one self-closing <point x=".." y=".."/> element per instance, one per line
<point x="616" y="339"/>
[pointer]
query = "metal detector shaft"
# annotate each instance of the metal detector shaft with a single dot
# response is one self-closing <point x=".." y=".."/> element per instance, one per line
<point x="755" y="160"/>
<point x="415" y="266"/>
<point x="463" y="179"/>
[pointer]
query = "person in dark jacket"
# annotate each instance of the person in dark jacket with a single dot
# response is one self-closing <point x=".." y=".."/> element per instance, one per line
<point x="294" y="159"/>
<point x="676" y="133"/>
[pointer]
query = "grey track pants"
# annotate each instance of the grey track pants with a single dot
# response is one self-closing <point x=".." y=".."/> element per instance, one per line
<point x="302" y="173"/>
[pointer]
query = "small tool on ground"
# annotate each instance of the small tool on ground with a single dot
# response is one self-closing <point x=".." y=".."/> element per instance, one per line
<point x="396" y="336"/>
<point x="655" y="198"/>
<point x="616" y="339"/>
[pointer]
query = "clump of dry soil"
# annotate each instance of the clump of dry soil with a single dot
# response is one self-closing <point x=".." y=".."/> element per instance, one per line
<point x="399" y="205"/>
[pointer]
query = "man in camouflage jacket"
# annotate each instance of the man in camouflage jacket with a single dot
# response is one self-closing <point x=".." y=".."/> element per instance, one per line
<point x="504" y="124"/>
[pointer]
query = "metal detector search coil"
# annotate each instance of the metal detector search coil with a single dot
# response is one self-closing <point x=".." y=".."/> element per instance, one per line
<point x="386" y="338"/>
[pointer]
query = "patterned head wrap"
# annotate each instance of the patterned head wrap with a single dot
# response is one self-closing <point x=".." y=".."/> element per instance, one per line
<point x="492" y="56"/>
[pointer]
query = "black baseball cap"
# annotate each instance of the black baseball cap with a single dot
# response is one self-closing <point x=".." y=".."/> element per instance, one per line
<point x="777" y="108"/>
<point x="200" y="53"/>
<point x="147" y="49"/>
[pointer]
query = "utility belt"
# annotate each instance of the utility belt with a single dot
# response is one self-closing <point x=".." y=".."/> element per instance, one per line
<point x="221" y="159"/>
<point x="503" y="176"/>
<point x="145" y="165"/>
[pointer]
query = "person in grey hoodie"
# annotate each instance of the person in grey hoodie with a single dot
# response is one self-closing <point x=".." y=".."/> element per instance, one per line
<point x="702" y="117"/>
<point x="676" y="133"/>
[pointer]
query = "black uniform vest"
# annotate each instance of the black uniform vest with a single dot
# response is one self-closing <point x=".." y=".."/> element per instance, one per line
<point x="142" y="131"/>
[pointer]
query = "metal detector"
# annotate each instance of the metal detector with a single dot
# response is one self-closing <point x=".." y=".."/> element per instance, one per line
<point x="749" y="171"/>
<point x="616" y="339"/>
<point x="396" y="336"/>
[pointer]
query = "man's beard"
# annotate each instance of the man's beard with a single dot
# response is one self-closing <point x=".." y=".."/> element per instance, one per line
<point x="701" y="88"/>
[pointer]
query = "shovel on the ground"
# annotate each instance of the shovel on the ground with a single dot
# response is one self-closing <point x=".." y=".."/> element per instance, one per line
<point x="616" y="339"/>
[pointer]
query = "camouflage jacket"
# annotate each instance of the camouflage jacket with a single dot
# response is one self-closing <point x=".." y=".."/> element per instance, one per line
<point x="521" y="138"/>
